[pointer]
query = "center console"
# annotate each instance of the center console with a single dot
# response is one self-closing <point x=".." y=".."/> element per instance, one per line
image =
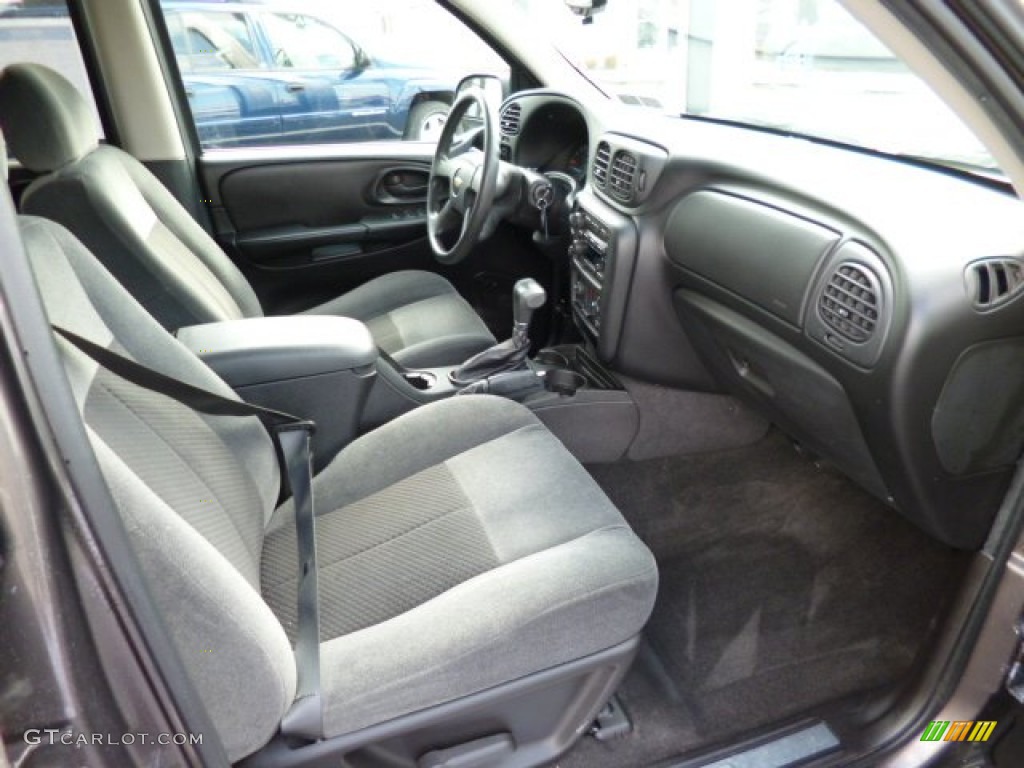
<point x="589" y="254"/>
<point x="317" y="367"/>
<point x="601" y="254"/>
<point x="583" y="404"/>
<point x="569" y="388"/>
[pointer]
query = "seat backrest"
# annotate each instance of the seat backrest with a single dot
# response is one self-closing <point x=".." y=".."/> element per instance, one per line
<point x="115" y="205"/>
<point x="195" y="492"/>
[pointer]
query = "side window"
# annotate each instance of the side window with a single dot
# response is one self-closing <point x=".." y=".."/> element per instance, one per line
<point x="321" y="72"/>
<point x="42" y="33"/>
<point x="212" y="42"/>
<point x="302" y="42"/>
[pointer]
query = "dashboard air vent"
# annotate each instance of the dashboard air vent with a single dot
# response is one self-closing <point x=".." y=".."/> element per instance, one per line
<point x="639" y="101"/>
<point x="994" y="281"/>
<point x="850" y="303"/>
<point x="601" y="160"/>
<point x="511" y="117"/>
<point x="622" y="176"/>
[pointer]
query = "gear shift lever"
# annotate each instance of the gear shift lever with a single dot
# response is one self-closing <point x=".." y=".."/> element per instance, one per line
<point x="527" y="297"/>
<point x="509" y="355"/>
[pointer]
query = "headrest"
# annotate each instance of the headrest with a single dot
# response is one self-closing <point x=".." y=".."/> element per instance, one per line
<point x="48" y="123"/>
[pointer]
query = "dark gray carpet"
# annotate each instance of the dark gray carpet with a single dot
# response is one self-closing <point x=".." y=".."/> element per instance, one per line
<point x="783" y="588"/>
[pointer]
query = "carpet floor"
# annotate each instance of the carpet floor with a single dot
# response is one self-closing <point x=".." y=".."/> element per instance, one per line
<point x="784" y="588"/>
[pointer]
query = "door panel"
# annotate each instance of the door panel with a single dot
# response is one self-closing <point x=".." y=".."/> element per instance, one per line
<point x="306" y="225"/>
<point x="311" y="194"/>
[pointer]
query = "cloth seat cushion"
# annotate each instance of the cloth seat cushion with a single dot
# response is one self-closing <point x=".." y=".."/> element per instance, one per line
<point x="461" y="546"/>
<point x="416" y="317"/>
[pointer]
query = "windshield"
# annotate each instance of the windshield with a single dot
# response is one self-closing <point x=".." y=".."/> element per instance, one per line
<point x="802" y="66"/>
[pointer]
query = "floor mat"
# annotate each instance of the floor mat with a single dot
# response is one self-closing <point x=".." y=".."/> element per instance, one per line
<point x="783" y="587"/>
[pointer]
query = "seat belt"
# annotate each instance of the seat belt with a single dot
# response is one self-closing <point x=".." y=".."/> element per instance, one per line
<point x="292" y="439"/>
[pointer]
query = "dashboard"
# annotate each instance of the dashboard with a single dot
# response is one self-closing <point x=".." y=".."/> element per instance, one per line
<point x="872" y="308"/>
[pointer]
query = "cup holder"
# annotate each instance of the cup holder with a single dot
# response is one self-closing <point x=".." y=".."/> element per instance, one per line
<point x="421" y="380"/>
<point x="562" y="381"/>
<point x="550" y="358"/>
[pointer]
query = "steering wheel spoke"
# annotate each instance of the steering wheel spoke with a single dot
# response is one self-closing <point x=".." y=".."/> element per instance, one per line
<point x="463" y="181"/>
<point x="446" y="219"/>
<point x="466" y="218"/>
<point x="443" y="167"/>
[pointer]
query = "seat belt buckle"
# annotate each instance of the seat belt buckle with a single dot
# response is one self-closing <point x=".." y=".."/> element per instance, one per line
<point x="304" y="718"/>
<point x="292" y="426"/>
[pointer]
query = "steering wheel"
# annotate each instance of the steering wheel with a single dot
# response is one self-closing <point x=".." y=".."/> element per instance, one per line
<point x="462" y="181"/>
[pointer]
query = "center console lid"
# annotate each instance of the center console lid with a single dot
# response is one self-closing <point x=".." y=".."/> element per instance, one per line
<point x="262" y="349"/>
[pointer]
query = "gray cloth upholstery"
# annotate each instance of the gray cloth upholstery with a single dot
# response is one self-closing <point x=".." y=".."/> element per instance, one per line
<point x="416" y="317"/>
<point x="144" y="236"/>
<point x="195" y="492"/>
<point x="474" y="553"/>
<point x="385" y="535"/>
<point x="461" y="545"/>
<point x="47" y="122"/>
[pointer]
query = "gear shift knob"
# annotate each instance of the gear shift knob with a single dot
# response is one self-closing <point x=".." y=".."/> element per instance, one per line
<point x="508" y="355"/>
<point x="527" y="296"/>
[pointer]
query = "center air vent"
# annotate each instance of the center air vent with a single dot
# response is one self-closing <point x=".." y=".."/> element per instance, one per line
<point x="600" y="169"/>
<point x="622" y="176"/>
<point x="994" y="281"/>
<point x="850" y="303"/>
<point x="511" y="117"/>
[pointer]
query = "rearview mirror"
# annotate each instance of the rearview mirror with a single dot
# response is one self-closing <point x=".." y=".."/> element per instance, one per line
<point x="586" y="8"/>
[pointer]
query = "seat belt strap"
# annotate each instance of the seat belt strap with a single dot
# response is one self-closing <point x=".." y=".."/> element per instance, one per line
<point x="188" y="395"/>
<point x="305" y="717"/>
<point x="292" y="438"/>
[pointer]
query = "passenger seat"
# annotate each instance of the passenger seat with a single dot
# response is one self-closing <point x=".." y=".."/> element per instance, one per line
<point x="474" y="579"/>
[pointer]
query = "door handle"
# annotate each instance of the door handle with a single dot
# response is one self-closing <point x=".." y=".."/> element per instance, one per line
<point x="402" y="185"/>
<point x="295" y="87"/>
<point x="406" y="190"/>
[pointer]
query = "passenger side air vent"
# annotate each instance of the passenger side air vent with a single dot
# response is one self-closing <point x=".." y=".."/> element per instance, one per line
<point x="511" y="118"/>
<point x="625" y="170"/>
<point x="622" y="176"/>
<point x="601" y="159"/>
<point x="850" y="303"/>
<point x="994" y="281"/>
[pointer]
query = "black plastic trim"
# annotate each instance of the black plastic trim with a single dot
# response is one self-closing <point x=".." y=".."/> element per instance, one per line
<point x="83" y="35"/>
<point x="172" y="77"/>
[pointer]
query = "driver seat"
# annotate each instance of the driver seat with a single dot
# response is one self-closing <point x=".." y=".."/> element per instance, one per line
<point x="147" y="239"/>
